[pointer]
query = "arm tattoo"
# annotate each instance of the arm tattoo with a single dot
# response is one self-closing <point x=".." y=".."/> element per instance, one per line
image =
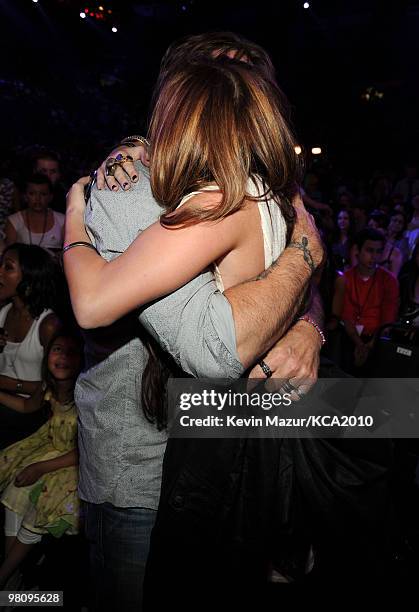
<point x="266" y="272"/>
<point x="303" y="246"/>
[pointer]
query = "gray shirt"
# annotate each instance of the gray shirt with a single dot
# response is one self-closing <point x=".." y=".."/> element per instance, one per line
<point x="121" y="453"/>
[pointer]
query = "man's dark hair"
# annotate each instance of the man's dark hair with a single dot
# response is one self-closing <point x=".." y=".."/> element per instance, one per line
<point x="38" y="287"/>
<point x="369" y="234"/>
<point x="202" y="47"/>
<point x="212" y="44"/>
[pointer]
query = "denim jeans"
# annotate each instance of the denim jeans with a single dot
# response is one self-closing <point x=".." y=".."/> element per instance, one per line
<point x="119" y="540"/>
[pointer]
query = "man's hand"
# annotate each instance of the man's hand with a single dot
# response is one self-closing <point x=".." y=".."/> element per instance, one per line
<point x="294" y="358"/>
<point x="305" y="226"/>
<point x="125" y="174"/>
<point x="29" y="475"/>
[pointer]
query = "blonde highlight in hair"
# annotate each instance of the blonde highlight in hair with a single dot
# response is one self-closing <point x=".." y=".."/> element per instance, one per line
<point x="220" y="122"/>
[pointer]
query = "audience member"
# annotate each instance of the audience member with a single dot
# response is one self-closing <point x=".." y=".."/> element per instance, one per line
<point x="27" y="282"/>
<point x="366" y="297"/>
<point x="360" y="214"/>
<point x="39" y="474"/>
<point x="395" y="235"/>
<point x="37" y="224"/>
<point x="342" y="240"/>
<point x="48" y="163"/>
<point x="392" y="258"/>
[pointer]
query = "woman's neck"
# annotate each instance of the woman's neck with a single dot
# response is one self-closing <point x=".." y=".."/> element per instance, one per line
<point x="37" y="214"/>
<point x="64" y="391"/>
<point x="20" y="309"/>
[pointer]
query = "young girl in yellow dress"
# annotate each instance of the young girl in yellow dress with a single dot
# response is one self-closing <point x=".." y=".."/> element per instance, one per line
<point x="39" y="474"/>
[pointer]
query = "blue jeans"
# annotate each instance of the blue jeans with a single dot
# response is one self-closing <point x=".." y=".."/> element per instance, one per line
<point x="119" y="540"/>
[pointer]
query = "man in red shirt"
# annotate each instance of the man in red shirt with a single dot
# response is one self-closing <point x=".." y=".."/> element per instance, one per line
<point x="368" y="295"/>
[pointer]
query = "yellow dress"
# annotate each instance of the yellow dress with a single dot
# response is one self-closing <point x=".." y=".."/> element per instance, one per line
<point x="50" y="505"/>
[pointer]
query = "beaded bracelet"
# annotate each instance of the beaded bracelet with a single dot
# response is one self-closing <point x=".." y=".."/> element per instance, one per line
<point x="308" y="319"/>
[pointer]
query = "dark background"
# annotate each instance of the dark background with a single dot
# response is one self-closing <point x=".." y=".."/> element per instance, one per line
<point x="75" y="85"/>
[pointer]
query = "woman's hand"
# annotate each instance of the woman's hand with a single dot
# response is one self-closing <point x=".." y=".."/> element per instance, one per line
<point x="75" y="197"/>
<point x="29" y="475"/>
<point x="125" y="174"/>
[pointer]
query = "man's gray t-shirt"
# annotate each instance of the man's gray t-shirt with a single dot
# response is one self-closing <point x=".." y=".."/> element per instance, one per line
<point x="121" y="453"/>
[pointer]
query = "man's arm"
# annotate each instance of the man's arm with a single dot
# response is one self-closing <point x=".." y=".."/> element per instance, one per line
<point x="215" y="335"/>
<point x="195" y="324"/>
<point x="265" y="308"/>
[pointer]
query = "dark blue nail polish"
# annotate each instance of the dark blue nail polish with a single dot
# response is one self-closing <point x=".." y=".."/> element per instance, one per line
<point x="134" y="178"/>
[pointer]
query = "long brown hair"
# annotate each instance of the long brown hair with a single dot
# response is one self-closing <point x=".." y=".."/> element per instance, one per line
<point x="220" y="122"/>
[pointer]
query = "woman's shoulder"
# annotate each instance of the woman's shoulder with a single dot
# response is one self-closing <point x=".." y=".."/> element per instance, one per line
<point x="16" y="219"/>
<point x="59" y="217"/>
<point x="49" y="324"/>
<point x="208" y="197"/>
<point x="3" y="313"/>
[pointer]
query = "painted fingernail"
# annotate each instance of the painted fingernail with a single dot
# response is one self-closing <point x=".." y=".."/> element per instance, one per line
<point x="134" y="178"/>
<point x="114" y="187"/>
<point x="125" y="185"/>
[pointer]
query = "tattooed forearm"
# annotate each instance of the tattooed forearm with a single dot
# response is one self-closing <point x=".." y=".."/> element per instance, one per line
<point x="303" y="246"/>
<point x="268" y="271"/>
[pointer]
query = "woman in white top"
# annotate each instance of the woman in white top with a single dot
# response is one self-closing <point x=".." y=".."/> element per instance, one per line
<point x="27" y="325"/>
<point x="37" y="224"/>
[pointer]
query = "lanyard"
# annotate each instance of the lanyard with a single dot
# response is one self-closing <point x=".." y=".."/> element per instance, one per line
<point x="360" y="307"/>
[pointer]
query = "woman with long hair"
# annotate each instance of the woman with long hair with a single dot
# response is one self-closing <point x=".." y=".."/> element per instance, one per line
<point x="27" y="321"/>
<point x="343" y="240"/>
<point x="224" y="169"/>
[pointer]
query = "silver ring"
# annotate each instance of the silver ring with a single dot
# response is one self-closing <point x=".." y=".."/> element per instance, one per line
<point x="266" y="369"/>
<point x="288" y="387"/>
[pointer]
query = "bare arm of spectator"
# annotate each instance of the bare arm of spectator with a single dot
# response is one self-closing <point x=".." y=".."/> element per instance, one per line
<point x="396" y="261"/>
<point x="33" y="472"/>
<point x="50" y="325"/>
<point x="22" y="404"/>
<point x="9" y="384"/>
